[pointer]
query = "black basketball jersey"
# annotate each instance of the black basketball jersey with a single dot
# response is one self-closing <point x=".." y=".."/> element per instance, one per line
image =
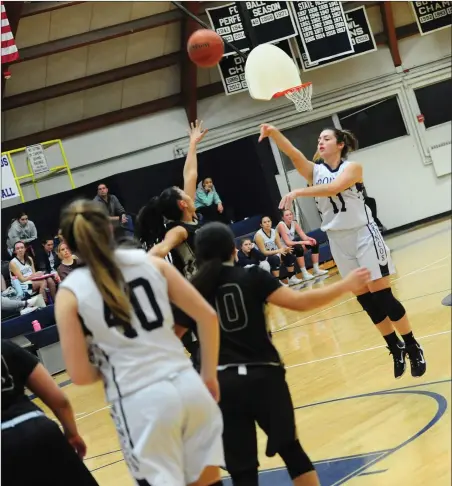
<point x="183" y="256"/>
<point x="240" y="300"/>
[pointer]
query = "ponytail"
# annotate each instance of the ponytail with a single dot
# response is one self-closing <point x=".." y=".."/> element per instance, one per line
<point x="150" y="226"/>
<point x="86" y="230"/>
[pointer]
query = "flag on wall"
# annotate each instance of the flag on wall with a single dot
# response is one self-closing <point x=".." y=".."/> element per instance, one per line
<point x="9" y="48"/>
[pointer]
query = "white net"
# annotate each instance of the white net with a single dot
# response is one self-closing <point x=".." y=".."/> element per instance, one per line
<point x="301" y="97"/>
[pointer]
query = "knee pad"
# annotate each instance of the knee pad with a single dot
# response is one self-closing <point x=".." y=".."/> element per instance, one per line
<point x="376" y="312"/>
<point x="393" y="308"/>
<point x="296" y="460"/>
<point x="275" y="262"/>
<point x="315" y="249"/>
<point x="298" y="251"/>
<point x="245" y="478"/>
<point x="288" y="260"/>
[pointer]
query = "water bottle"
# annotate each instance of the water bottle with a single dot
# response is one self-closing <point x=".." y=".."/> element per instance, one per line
<point x="36" y="325"/>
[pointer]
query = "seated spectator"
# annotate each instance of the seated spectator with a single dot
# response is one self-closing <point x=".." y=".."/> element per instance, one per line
<point x="250" y="256"/>
<point x="371" y="203"/>
<point x="111" y="203"/>
<point x="269" y="243"/>
<point x="208" y="202"/>
<point x="68" y="261"/>
<point x="22" y="267"/>
<point x="47" y="260"/>
<point x="294" y="237"/>
<point x="22" y="229"/>
<point x="12" y="305"/>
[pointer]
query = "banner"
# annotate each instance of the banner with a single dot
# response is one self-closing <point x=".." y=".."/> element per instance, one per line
<point x="432" y="16"/>
<point x="362" y="39"/>
<point x="9" y="185"/>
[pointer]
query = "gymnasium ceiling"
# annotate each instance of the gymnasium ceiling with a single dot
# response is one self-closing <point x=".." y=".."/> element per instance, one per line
<point x="87" y="65"/>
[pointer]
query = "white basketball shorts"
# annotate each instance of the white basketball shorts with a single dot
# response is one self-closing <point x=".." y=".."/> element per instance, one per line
<point x="363" y="247"/>
<point x="170" y="431"/>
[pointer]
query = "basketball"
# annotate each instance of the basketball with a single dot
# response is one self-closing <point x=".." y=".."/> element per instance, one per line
<point x="205" y="48"/>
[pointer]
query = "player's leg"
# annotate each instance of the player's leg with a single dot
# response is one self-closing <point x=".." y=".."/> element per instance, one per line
<point x="275" y="265"/>
<point x="317" y="271"/>
<point x="288" y="261"/>
<point x="202" y="431"/>
<point x="239" y="433"/>
<point x="298" y="252"/>
<point x="375" y="255"/>
<point x="275" y="415"/>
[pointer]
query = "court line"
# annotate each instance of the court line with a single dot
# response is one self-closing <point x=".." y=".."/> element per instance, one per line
<point x="360" y="311"/>
<point x="103" y="454"/>
<point x="368" y="473"/>
<point x="358" y="351"/>
<point x="92" y="413"/>
<point x="418" y="270"/>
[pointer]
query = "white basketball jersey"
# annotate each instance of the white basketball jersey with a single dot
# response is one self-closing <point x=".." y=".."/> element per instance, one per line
<point x="152" y="352"/>
<point x="345" y="211"/>
<point x="269" y="241"/>
<point x="290" y="232"/>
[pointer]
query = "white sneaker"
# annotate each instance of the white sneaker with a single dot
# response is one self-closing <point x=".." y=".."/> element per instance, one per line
<point x="307" y="276"/>
<point x="283" y="283"/>
<point x="293" y="280"/>
<point x="319" y="272"/>
<point x="27" y="310"/>
<point x="36" y="301"/>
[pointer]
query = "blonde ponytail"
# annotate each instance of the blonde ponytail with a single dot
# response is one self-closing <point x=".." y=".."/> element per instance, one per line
<point x="86" y="230"/>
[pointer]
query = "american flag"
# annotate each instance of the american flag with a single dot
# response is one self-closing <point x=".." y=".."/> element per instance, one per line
<point x="9" y="48"/>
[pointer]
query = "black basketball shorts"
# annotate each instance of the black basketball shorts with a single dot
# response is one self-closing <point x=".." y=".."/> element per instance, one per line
<point x="260" y="396"/>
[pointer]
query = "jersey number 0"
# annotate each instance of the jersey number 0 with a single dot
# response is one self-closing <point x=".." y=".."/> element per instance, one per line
<point x="129" y="331"/>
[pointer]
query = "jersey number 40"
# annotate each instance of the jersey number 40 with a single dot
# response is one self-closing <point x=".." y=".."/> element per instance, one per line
<point x="129" y="331"/>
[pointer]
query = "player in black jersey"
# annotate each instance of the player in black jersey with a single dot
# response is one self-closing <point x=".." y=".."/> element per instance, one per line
<point x="166" y="226"/>
<point x="251" y="373"/>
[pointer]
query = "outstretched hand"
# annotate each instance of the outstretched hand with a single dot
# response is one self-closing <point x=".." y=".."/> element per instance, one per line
<point x="266" y="131"/>
<point x="196" y="131"/>
<point x="286" y="201"/>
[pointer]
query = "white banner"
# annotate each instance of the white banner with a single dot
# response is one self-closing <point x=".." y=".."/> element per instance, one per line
<point x="9" y="185"/>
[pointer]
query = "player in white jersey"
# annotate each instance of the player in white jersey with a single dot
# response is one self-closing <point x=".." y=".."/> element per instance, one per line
<point x="355" y="240"/>
<point x="115" y="321"/>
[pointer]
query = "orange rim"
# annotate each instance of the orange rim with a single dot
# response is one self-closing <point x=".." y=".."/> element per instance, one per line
<point x="296" y="88"/>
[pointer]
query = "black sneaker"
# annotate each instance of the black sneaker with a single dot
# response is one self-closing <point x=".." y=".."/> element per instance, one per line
<point x="398" y="355"/>
<point x="417" y="360"/>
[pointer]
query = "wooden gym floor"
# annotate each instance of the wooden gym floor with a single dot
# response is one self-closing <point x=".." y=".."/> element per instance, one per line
<point x="358" y="424"/>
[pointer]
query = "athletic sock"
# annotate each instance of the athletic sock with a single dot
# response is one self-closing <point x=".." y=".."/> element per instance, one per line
<point x="392" y="340"/>
<point x="409" y="339"/>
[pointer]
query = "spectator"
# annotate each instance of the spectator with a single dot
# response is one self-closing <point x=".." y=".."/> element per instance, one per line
<point x="111" y="203"/>
<point x="13" y="305"/>
<point x="372" y="205"/>
<point x="22" y="229"/>
<point x="250" y="256"/>
<point x="208" y="202"/>
<point x="23" y="268"/>
<point x="47" y="260"/>
<point x="68" y="261"/>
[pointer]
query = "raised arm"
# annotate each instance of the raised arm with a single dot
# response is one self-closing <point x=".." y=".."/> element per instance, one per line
<point x="304" y="166"/>
<point x="182" y="293"/>
<point x="197" y="133"/>
<point x="311" y="299"/>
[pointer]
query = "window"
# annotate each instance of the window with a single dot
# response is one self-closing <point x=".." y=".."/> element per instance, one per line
<point x="375" y="122"/>
<point x="305" y="138"/>
<point x="433" y="104"/>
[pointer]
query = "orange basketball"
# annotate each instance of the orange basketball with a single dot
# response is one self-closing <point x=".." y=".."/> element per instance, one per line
<point x="205" y="48"/>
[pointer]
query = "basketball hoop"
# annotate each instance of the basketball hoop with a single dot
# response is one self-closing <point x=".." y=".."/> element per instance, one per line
<point x="300" y="96"/>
